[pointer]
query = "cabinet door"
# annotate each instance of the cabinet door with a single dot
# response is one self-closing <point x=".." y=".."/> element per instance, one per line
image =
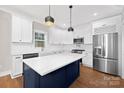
<point x="68" y="38"/>
<point x="88" y="59"/>
<point x="107" y="22"/>
<point x="31" y="78"/>
<point x="54" y="36"/>
<point x="17" y="65"/>
<point x="56" y="79"/>
<point x="26" y="30"/>
<point x="16" y="29"/>
<point x="58" y="36"/>
<point x="88" y="39"/>
<point x="72" y="72"/>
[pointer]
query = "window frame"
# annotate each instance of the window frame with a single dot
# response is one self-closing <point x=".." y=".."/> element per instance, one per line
<point x="45" y="38"/>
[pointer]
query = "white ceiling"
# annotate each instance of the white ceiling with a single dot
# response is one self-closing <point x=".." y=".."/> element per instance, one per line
<point x="80" y="13"/>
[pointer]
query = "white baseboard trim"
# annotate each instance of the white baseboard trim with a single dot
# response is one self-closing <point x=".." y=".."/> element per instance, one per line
<point x="5" y="73"/>
<point x="88" y="65"/>
<point x="15" y="76"/>
<point x="122" y="77"/>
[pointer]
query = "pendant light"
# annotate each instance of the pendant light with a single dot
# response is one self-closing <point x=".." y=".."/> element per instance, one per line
<point x="49" y="21"/>
<point x="70" y="28"/>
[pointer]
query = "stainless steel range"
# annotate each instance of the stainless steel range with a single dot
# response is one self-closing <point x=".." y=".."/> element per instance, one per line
<point x="105" y="53"/>
<point x="79" y="51"/>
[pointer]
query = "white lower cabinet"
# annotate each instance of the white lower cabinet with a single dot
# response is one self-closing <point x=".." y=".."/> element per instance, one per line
<point x="88" y="59"/>
<point x="17" y="66"/>
<point x="88" y="39"/>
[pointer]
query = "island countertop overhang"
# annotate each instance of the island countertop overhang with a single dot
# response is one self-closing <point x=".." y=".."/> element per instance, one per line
<point x="45" y="64"/>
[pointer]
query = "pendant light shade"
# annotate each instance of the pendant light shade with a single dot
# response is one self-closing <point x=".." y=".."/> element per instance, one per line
<point x="70" y="28"/>
<point x="49" y="21"/>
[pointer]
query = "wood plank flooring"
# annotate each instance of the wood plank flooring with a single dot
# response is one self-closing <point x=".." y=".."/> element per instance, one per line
<point x="7" y="82"/>
<point x="89" y="78"/>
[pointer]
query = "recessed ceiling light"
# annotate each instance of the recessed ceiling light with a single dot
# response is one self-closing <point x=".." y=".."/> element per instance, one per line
<point x="64" y="25"/>
<point x="95" y="14"/>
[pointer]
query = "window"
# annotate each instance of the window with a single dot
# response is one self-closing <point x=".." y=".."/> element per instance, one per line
<point x="39" y="39"/>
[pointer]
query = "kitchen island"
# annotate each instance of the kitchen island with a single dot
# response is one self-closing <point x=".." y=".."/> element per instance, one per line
<point x="52" y="71"/>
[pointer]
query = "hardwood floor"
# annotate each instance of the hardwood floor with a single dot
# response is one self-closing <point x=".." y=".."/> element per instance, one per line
<point x="89" y="78"/>
<point x="7" y="82"/>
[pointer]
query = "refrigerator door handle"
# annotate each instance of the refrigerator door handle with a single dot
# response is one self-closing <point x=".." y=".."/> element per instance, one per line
<point x="103" y="50"/>
<point x="105" y="45"/>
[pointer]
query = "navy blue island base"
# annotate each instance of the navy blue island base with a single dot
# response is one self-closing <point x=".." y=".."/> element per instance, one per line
<point x="61" y="78"/>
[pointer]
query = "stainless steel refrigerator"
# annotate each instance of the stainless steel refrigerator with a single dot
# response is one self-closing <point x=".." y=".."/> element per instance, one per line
<point x="105" y="53"/>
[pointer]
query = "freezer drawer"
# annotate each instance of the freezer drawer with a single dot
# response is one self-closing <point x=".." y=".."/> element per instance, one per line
<point x="112" y="67"/>
<point x="106" y="65"/>
<point x="99" y="64"/>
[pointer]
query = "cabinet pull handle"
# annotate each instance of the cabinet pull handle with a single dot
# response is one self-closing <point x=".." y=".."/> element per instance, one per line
<point x="104" y="25"/>
<point x="18" y="57"/>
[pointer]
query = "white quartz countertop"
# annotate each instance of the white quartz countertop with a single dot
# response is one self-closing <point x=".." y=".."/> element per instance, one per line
<point x="46" y="64"/>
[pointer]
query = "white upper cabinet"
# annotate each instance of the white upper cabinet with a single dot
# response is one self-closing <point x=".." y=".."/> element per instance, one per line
<point x="21" y="29"/>
<point x="84" y="31"/>
<point x="107" y="25"/>
<point x="54" y="37"/>
<point x="26" y="30"/>
<point x="58" y="36"/>
<point x="16" y="29"/>
<point x="68" y="37"/>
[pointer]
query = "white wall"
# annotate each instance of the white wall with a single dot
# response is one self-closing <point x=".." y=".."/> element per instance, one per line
<point x="5" y="31"/>
<point x="122" y="48"/>
<point x="120" y="71"/>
